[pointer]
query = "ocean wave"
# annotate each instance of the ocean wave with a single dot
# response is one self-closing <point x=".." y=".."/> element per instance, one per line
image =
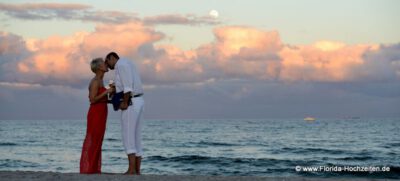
<point x="205" y="165"/>
<point x="8" y="144"/>
<point x="8" y="163"/>
<point x="357" y="158"/>
<point x="394" y="145"/>
<point x="215" y="143"/>
<point x="312" y="150"/>
<point x="120" y="149"/>
<point x="255" y="148"/>
<point x="195" y="164"/>
<point x="257" y="162"/>
<point x="111" y="139"/>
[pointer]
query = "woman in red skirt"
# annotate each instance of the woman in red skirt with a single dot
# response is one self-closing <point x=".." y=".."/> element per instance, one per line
<point x="96" y="120"/>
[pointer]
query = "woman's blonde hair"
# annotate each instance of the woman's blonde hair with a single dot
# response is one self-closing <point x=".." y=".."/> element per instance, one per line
<point x="95" y="64"/>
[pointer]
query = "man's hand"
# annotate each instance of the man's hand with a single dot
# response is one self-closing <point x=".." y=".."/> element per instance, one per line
<point x="123" y="105"/>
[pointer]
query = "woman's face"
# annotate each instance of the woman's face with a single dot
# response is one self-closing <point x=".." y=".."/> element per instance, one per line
<point x="103" y="67"/>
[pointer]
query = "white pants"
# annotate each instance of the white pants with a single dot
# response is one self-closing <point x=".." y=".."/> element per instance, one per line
<point x="131" y="124"/>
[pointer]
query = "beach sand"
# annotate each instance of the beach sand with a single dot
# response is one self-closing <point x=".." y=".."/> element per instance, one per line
<point x="27" y="175"/>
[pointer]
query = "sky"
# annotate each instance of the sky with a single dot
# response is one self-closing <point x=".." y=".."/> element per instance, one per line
<point x="256" y="59"/>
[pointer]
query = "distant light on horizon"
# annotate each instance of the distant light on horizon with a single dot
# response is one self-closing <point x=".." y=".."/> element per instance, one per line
<point x="214" y="13"/>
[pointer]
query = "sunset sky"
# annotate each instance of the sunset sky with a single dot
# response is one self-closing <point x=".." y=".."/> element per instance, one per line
<point x="256" y="59"/>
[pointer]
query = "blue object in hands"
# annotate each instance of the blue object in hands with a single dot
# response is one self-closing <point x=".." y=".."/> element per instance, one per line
<point x="117" y="99"/>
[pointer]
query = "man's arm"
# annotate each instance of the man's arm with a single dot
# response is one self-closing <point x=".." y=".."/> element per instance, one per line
<point x="127" y="81"/>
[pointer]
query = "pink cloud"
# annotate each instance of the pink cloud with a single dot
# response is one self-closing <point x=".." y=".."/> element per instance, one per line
<point x="240" y="51"/>
<point x="245" y="52"/>
<point x="232" y="39"/>
<point x="67" y="58"/>
<point x="123" y="38"/>
<point x="237" y="52"/>
<point x="173" y="65"/>
<point x="322" y="61"/>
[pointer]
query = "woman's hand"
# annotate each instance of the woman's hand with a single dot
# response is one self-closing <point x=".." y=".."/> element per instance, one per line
<point x="111" y="90"/>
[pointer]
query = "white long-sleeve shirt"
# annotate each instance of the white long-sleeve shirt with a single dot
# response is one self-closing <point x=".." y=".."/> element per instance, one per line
<point x="127" y="78"/>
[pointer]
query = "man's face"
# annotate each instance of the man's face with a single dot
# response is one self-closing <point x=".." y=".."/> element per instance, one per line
<point x="110" y="62"/>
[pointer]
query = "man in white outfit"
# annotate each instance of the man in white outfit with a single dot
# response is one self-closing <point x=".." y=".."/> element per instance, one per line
<point x="127" y="80"/>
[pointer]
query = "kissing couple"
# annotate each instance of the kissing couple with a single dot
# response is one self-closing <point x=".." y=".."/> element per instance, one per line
<point x="127" y="97"/>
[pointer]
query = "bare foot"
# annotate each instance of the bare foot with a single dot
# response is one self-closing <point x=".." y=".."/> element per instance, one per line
<point x="129" y="173"/>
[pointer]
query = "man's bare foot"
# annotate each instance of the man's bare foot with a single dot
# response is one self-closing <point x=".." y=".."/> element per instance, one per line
<point x="129" y="173"/>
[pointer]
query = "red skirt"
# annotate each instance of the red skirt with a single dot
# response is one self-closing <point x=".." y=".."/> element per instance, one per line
<point x="91" y="149"/>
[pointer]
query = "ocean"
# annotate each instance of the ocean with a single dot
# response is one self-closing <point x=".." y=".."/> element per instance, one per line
<point x="333" y="148"/>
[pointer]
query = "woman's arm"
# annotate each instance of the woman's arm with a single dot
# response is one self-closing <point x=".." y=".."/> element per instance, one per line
<point x="93" y="90"/>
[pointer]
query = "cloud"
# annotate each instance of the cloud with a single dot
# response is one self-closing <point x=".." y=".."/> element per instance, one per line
<point x="233" y="39"/>
<point x="169" y="64"/>
<point x="323" y="61"/>
<point x="65" y="60"/>
<point x="240" y="52"/>
<point x="42" y="6"/>
<point x="12" y="50"/>
<point x="237" y="52"/>
<point x="327" y="61"/>
<point x="179" y="19"/>
<point x="34" y="11"/>
<point x="34" y="101"/>
<point x="381" y="64"/>
<point x="242" y="66"/>
<point x="82" y="12"/>
<point x="64" y="11"/>
<point x="107" y="17"/>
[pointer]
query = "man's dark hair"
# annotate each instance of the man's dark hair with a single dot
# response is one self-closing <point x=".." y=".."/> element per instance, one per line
<point x="112" y="54"/>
